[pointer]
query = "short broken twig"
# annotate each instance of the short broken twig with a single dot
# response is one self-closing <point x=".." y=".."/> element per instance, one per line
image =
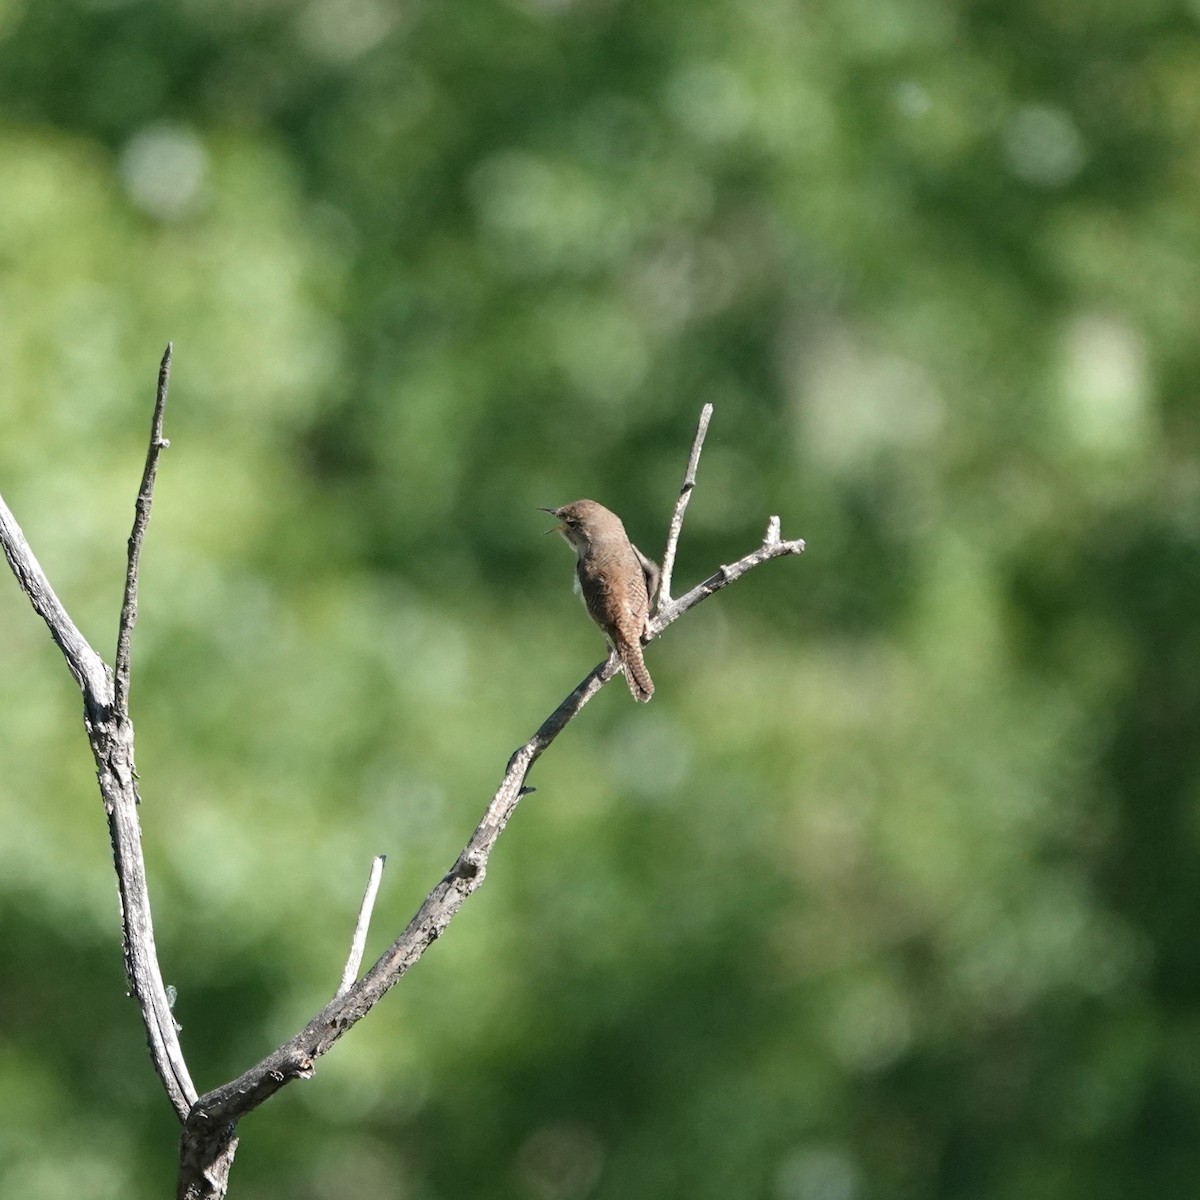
<point x="359" y="942"/>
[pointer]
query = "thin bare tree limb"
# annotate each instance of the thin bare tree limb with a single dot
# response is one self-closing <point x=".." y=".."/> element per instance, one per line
<point x="141" y="519"/>
<point x="685" y="494"/>
<point x="216" y="1113"/>
<point x="217" y="1110"/>
<point x="359" y="942"/>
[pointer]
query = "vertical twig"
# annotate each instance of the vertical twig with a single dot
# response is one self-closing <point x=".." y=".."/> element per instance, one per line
<point x="141" y="518"/>
<point x="685" y="494"/>
<point x="359" y="942"/>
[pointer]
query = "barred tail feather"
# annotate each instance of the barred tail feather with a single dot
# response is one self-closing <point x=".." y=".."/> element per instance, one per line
<point x="641" y="686"/>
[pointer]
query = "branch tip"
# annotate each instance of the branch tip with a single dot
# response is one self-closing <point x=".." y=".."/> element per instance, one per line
<point x="685" y="494"/>
<point x="141" y="518"/>
<point x="82" y="661"/>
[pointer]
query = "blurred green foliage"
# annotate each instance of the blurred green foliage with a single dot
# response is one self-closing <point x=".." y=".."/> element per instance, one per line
<point x="892" y="892"/>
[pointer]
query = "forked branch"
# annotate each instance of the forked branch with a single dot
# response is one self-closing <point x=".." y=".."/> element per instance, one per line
<point x="209" y="1139"/>
<point x="110" y="734"/>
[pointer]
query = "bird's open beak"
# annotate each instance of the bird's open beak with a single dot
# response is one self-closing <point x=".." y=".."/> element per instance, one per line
<point x="554" y="513"/>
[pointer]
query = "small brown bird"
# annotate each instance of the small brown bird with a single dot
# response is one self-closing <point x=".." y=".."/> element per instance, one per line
<point x="616" y="580"/>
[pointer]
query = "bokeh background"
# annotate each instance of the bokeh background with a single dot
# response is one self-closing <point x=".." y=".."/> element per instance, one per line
<point x="893" y="891"/>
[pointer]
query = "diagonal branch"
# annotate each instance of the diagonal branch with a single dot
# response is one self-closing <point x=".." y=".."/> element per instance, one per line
<point x="215" y="1115"/>
<point x="83" y="662"/>
<point x="141" y="519"/>
<point x="216" y="1111"/>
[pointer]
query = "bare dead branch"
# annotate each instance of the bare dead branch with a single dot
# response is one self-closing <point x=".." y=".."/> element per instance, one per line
<point x="209" y="1140"/>
<point x="359" y="942"/>
<point x="216" y="1113"/>
<point x="685" y="494"/>
<point x="141" y="519"/>
<point x="219" y="1110"/>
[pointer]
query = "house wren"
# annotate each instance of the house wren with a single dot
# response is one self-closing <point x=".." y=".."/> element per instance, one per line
<point x="616" y="580"/>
